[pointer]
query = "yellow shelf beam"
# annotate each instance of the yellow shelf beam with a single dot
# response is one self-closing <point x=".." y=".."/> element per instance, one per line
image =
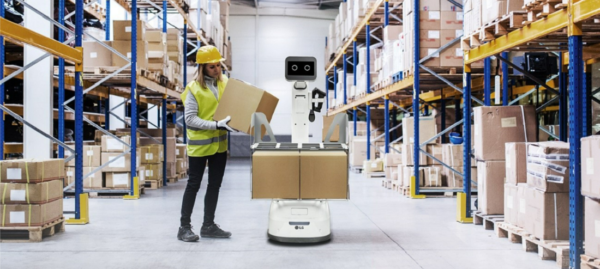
<point x="17" y="32"/>
<point x="355" y="33"/>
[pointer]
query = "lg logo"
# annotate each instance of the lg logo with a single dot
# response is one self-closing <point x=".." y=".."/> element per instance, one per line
<point x="299" y="227"/>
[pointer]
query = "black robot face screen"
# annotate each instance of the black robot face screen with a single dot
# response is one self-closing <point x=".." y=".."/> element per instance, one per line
<point x="296" y="68"/>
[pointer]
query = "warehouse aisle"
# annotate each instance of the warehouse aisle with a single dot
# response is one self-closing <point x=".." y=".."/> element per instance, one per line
<point x="377" y="228"/>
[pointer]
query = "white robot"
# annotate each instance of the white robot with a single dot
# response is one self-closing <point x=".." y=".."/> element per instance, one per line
<point x="300" y="221"/>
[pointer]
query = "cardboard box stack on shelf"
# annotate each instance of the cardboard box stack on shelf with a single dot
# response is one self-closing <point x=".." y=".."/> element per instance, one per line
<point x="494" y="127"/>
<point x="32" y="192"/>
<point x="92" y="159"/>
<point x="157" y="50"/>
<point x="590" y="188"/>
<point x="182" y="160"/>
<point x="479" y="13"/>
<point x="547" y="195"/>
<point x="122" y="43"/>
<point x="440" y="23"/>
<point x="174" y="48"/>
<point x="117" y="174"/>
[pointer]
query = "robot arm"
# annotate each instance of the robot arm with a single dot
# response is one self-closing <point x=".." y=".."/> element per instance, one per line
<point x="317" y="98"/>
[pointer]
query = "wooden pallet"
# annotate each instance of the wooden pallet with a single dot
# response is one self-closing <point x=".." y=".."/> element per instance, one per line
<point x="589" y="262"/>
<point x="541" y="8"/>
<point x="110" y="195"/>
<point x="182" y="175"/>
<point x="557" y="250"/>
<point x="173" y="179"/>
<point x="386" y="183"/>
<point x="153" y="184"/>
<point x="356" y="169"/>
<point x="31" y="234"/>
<point x="488" y="221"/>
<point x="501" y="26"/>
<point x="374" y="174"/>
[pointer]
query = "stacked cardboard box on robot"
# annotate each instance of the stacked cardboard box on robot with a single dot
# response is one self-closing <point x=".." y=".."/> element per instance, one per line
<point x="32" y="191"/>
<point x="547" y="197"/>
<point x="494" y="127"/>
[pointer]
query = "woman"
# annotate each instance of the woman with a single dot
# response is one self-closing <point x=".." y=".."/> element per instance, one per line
<point x="207" y="143"/>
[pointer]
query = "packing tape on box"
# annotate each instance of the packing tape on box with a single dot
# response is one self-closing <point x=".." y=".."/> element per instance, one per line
<point x="555" y="219"/>
<point x="4" y="191"/>
<point x="3" y="214"/>
<point x="524" y="123"/>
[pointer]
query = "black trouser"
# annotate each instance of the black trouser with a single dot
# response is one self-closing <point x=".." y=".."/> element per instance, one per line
<point x="216" y="169"/>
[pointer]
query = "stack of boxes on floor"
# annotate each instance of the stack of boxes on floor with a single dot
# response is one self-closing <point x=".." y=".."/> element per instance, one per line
<point x="117" y="174"/>
<point x="494" y="127"/>
<point x="31" y="192"/>
<point x="440" y="22"/>
<point x="376" y="162"/>
<point x="156" y="135"/>
<point x="391" y="162"/>
<point x="590" y="187"/>
<point x="152" y="157"/>
<point x="92" y="159"/>
<point x="182" y="160"/>
<point x="430" y="171"/>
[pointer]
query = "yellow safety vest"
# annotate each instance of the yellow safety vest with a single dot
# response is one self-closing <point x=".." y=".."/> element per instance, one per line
<point x="202" y="143"/>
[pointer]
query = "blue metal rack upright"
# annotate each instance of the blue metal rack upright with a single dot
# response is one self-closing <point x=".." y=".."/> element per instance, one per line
<point x="2" y="93"/>
<point x="415" y="102"/>
<point x="133" y="97"/>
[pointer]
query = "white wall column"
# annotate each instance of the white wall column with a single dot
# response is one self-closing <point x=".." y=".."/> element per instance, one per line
<point x="38" y="89"/>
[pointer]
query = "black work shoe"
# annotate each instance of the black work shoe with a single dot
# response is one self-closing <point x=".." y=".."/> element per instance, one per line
<point x="186" y="234"/>
<point x="214" y="231"/>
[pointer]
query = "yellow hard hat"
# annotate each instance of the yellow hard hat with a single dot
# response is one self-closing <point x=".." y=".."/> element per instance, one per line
<point x="208" y="55"/>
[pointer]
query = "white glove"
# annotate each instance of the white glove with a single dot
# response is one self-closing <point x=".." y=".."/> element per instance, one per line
<point x="222" y="124"/>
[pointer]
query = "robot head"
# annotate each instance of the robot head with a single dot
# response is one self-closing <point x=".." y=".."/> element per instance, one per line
<point x="300" y="68"/>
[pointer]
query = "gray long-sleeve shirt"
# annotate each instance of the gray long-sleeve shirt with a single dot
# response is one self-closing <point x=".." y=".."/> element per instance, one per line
<point x="192" y="120"/>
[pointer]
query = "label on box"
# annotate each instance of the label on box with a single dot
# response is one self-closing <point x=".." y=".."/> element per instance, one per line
<point x="129" y="55"/>
<point x="508" y="122"/>
<point x="93" y="55"/>
<point x="119" y="163"/>
<point x="112" y="144"/>
<point x="13" y="173"/>
<point x="459" y="52"/>
<point x="176" y="151"/>
<point x="434" y="15"/>
<point x="17" y="217"/>
<point x="597" y="226"/>
<point x="128" y="29"/>
<point x="69" y="173"/>
<point x="458" y="33"/>
<point x="17" y="195"/>
<point x="67" y="153"/>
<point x="555" y="179"/>
<point x="508" y="165"/>
<point x="92" y="175"/>
<point x="121" y="179"/>
<point x="149" y="156"/>
<point x="433" y="34"/>
<point x="374" y="165"/>
<point x="149" y="173"/>
<point x="509" y="202"/>
<point x="522" y="206"/>
<point x="182" y="165"/>
<point x="589" y="162"/>
<point x="90" y="153"/>
<point x="459" y="16"/>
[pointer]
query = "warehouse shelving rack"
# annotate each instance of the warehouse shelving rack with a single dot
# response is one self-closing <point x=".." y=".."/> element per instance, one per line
<point x="567" y="29"/>
<point x="400" y="91"/>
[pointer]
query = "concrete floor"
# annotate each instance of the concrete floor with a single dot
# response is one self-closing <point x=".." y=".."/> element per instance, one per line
<point x="377" y="228"/>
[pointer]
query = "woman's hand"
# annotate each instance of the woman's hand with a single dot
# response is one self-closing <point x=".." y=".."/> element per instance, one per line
<point x="222" y="124"/>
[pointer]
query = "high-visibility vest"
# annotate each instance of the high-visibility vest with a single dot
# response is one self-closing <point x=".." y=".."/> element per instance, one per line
<point x="202" y="143"/>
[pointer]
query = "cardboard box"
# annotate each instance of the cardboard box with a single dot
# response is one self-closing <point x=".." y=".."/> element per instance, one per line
<point x="447" y="6"/>
<point x="94" y="181"/>
<point x="323" y="175"/>
<point x="408" y="153"/>
<point x="153" y="171"/>
<point x="94" y="54"/>
<point x="523" y="191"/>
<point x="497" y="125"/>
<point x="358" y="151"/>
<point x="33" y="193"/>
<point x="327" y="121"/>
<point x="391" y="32"/>
<point x="24" y="215"/>
<point x="408" y="172"/>
<point x="273" y="176"/>
<point x="171" y="146"/>
<point x="392" y="159"/>
<point x="375" y="165"/>
<point x="427" y="129"/>
<point x="511" y="203"/>
<point x="31" y="170"/>
<point x="429" y="38"/>
<point x="452" y="155"/>
<point x="389" y="170"/>
<point x="122" y="30"/>
<point x="155" y="36"/>
<point x="408" y="5"/>
<point x="91" y="156"/>
<point x="181" y="151"/>
<point x="490" y="187"/>
<point x="171" y="132"/>
<point x="430" y="20"/>
<point x="451" y="20"/>
<point x="240" y="100"/>
<point x="456" y="181"/>
<point x="436" y="151"/>
<point x="124" y="47"/>
<point x="453" y="55"/>
<point x="590" y="159"/>
<point x="547" y="215"/>
<point x="181" y="165"/>
<point x="516" y="163"/>
<point x="592" y="227"/>
<point x="121" y="164"/>
<point x="432" y="176"/>
<point x="118" y="179"/>
<point x="152" y="153"/>
<point x="171" y="169"/>
<point x="548" y="166"/>
<point x="110" y="144"/>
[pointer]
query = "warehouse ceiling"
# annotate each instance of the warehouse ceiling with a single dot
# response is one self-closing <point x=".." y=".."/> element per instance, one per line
<point x="299" y="4"/>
